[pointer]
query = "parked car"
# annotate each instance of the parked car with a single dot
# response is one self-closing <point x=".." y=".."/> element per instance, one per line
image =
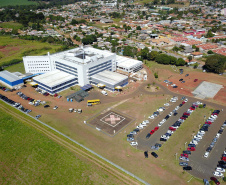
<point x="222" y="170"/>
<point x="187" y="168"/>
<point x="148" y="135"/>
<point x="146" y="154"/>
<point x="133" y="143"/>
<point x="156" y="128"/>
<point x="206" y="182"/>
<point x="191" y="149"/>
<point x="152" y="132"/>
<point x="187" y="152"/>
<point x="215" y="180"/>
<point x="184" y="155"/>
<point x="218" y="174"/>
<point x="183" y="164"/>
<point x="184" y="158"/>
<point x="206" y="154"/>
<point x="154" y="154"/>
<point x="181" y="79"/>
<point x="195" y="80"/>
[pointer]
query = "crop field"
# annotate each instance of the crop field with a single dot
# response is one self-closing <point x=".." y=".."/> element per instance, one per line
<point x="16" y="2"/>
<point x="14" y="48"/>
<point x="29" y="157"/>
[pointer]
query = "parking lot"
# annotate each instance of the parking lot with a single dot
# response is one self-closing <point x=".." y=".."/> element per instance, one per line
<point x="204" y="167"/>
<point x="145" y="144"/>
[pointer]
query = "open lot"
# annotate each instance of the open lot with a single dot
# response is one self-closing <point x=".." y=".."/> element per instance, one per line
<point x="171" y="73"/>
<point x="29" y="157"/>
<point x="14" y="48"/>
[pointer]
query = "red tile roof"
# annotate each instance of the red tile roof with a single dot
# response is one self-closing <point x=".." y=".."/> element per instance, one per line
<point x="207" y="46"/>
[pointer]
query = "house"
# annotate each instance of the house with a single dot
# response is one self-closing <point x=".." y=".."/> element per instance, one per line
<point x="197" y="54"/>
<point x="104" y="20"/>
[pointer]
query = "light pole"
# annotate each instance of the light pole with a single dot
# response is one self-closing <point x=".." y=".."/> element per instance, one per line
<point x="185" y="145"/>
<point x="190" y="179"/>
<point x="199" y="126"/>
<point x="176" y="156"/>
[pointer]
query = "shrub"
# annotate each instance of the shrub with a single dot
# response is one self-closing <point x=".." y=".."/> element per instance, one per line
<point x="156" y="75"/>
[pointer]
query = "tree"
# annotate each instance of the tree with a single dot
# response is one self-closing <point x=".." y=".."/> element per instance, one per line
<point x="189" y="58"/>
<point x="209" y="34"/>
<point x="209" y="52"/>
<point x="196" y="65"/>
<point x="180" y="62"/>
<point x="89" y="39"/>
<point x="138" y="28"/>
<point x="215" y="63"/>
<point x="74" y="22"/>
<point x="152" y="55"/>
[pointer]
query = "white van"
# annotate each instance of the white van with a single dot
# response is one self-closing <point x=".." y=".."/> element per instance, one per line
<point x="104" y="93"/>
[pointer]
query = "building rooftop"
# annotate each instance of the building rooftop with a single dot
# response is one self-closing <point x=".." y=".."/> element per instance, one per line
<point x="54" y="78"/>
<point x="9" y="76"/>
<point x="125" y="62"/>
<point x="109" y="77"/>
<point x="83" y="55"/>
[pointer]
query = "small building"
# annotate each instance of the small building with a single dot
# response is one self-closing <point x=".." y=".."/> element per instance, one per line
<point x="128" y="64"/>
<point x="110" y="79"/>
<point x="9" y="79"/>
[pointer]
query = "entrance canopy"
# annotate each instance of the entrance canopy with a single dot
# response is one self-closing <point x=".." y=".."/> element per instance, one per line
<point x="86" y="87"/>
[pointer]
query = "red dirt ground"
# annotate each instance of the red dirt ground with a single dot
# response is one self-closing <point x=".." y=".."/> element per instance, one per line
<point x="189" y="85"/>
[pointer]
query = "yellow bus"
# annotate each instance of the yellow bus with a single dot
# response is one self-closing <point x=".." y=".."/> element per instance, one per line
<point x="93" y="102"/>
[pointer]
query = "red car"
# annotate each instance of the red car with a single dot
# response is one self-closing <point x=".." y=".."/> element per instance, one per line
<point x="183" y="102"/>
<point x="184" y="155"/>
<point x="173" y="129"/>
<point x="55" y="95"/>
<point x="191" y="149"/>
<point x="156" y="128"/>
<point x="185" y="113"/>
<point x="194" y="105"/>
<point x="208" y="122"/>
<point x="223" y="158"/>
<point x="152" y="132"/>
<point x="183" y="118"/>
<point x="214" y="114"/>
<point x="191" y="108"/>
<point x="215" y="180"/>
<point x="195" y="80"/>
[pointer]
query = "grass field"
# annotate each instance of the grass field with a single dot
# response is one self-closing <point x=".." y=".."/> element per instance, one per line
<point x="13" y="25"/>
<point x="29" y="157"/>
<point x="14" y="48"/>
<point x="16" y="2"/>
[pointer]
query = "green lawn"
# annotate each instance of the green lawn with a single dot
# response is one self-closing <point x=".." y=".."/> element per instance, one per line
<point x="14" y="48"/>
<point x="16" y="2"/>
<point x="29" y="157"/>
<point x="13" y="25"/>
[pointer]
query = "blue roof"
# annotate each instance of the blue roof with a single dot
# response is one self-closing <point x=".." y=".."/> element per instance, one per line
<point x="86" y="87"/>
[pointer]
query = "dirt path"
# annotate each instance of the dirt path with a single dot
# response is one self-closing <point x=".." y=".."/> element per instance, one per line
<point x="75" y="149"/>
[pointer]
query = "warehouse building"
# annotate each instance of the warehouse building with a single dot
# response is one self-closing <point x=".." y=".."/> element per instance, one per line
<point x="9" y="79"/>
<point x="111" y="80"/>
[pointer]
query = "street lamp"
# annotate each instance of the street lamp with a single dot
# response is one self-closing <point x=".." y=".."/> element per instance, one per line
<point x="185" y="145"/>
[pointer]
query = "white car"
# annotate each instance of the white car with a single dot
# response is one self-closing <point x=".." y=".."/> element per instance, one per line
<point x="160" y="124"/>
<point x="160" y="109"/>
<point x="198" y="136"/>
<point x="186" y="100"/>
<point x="206" y="154"/>
<point x="104" y="93"/>
<point x="163" y="121"/>
<point x="173" y="100"/>
<point x="170" y="114"/>
<point x="166" y="104"/>
<point x="222" y="170"/>
<point x="181" y="120"/>
<point x="165" y="137"/>
<point x="177" y="107"/>
<point x="199" y="103"/>
<point x="224" y="152"/>
<point x="140" y="127"/>
<point x="170" y="131"/>
<point x="194" y="142"/>
<point x="133" y="143"/>
<point x="201" y="132"/>
<point x="143" y="124"/>
<point x="151" y="117"/>
<point x="55" y="107"/>
<point x="218" y="135"/>
<point x="184" y="158"/>
<point x="146" y="121"/>
<point x="218" y="174"/>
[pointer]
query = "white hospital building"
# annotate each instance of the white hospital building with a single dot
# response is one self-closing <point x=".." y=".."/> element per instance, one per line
<point x="76" y="66"/>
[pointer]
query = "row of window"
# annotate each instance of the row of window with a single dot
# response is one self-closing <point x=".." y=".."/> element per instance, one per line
<point x="37" y="64"/>
<point x="66" y="71"/>
<point x="104" y="63"/>
<point x="38" y="67"/>
<point x="65" y="65"/>
<point x="35" y="61"/>
<point x="100" y="70"/>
